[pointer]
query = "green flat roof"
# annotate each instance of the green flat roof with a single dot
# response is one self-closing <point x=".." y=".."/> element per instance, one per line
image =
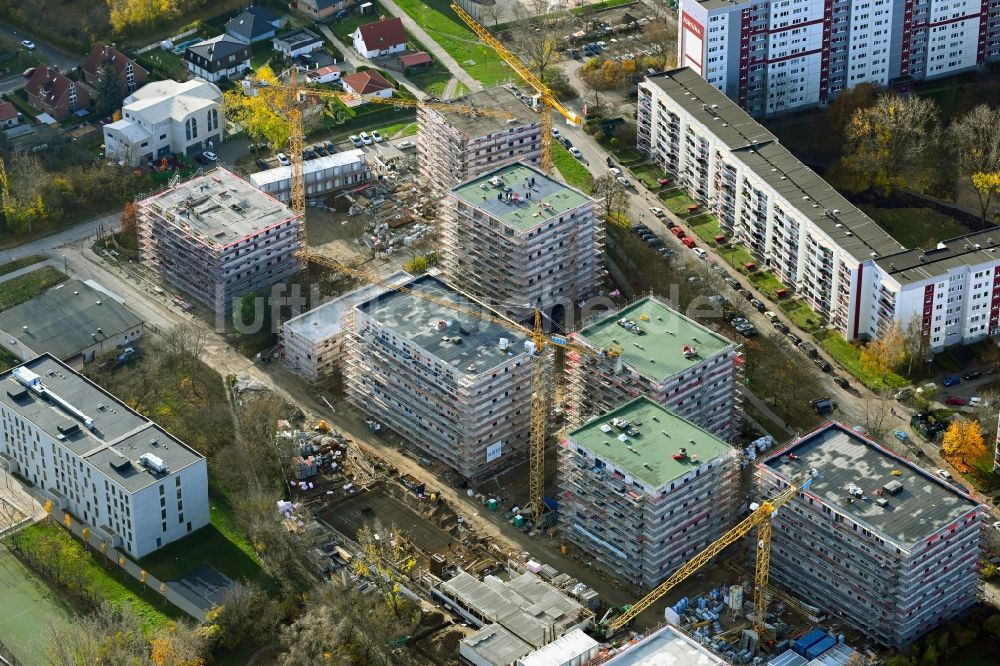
<point x="659" y="353"/>
<point x="531" y="205"/>
<point x="661" y="434"/>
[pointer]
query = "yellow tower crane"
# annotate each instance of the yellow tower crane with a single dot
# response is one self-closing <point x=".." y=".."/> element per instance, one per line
<point x="761" y="519"/>
<point x="546" y="97"/>
<point x="541" y="388"/>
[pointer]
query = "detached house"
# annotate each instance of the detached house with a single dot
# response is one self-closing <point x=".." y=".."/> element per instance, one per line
<point x="367" y="83"/>
<point x="8" y="115"/>
<point x="222" y="57"/>
<point x="54" y="93"/>
<point x="256" y="24"/>
<point x="381" y="38"/>
<point x="131" y="75"/>
<point x="319" y="10"/>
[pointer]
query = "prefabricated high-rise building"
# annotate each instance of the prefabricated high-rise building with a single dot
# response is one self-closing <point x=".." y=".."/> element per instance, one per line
<point x="661" y="354"/>
<point x="644" y="490"/>
<point x="456" y="386"/>
<point x="520" y="238"/>
<point x="216" y="237"/>
<point x="455" y="147"/>
<point x="876" y="541"/>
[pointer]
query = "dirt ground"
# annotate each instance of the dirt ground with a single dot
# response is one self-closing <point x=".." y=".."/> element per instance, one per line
<point x="336" y="235"/>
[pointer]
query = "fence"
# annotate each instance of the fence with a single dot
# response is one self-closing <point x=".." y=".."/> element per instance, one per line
<point x="174" y="38"/>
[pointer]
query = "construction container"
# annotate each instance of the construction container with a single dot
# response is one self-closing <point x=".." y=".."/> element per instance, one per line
<point x="492" y="505"/>
<point x="518" y="521"/>
<point x="820" y="647"/>
<point x="807" y="641"/>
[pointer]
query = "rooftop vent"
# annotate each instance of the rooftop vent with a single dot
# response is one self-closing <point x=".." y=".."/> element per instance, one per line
<point x="892" y="487"/>
<point x="882" y="502"/>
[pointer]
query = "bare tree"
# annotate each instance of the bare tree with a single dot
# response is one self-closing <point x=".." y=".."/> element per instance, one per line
<point x="611" y="193"/>
<point x="976" y="138"/>
<point x="915" y="342"/>
<point x="107" y="636"/>
<point x="536" y="38"/>
<point x="877" y="415"/>
<point x="246" y="613"/>
<point x="491" y="10"/>
<point x="385" y="558"/>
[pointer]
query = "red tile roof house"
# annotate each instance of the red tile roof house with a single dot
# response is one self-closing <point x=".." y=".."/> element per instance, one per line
<point x="367" y="83"/>
<point x="131" y="75"/>
<point x="54" y="93"/>
<point x="381" y="38"/>
<point x="8" y="115"/>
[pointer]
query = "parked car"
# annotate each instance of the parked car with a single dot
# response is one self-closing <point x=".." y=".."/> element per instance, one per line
<point x="770" y="316"/>
<point x="841" y="382"/>
<point x="330" y="148"/>
<point x="758" y="305"/>
<point x="822" y="364"/>
<point x="261" y="164"/>
<point x="356" y="140"/>
<point x="320" y="150"/>
<point x="794" y="338"/>
<point x="28" y="73"/>
<point x="781" y="328"/>
<point x="28" y="44"/>
<point x="953" y="380"/>
<point x="574" y="53"/>
<point x="700" y="252"/>
<point x="575" y="152"/>
<point x="976" y="401"/>
<point x="809" y="348"/>
<point x="904" y="394"/>
<point x="822" y="405"/>
<point x="610" y="162"/>
<point x="556" y="133"/>
<point x="745" y="294"/>
<point x="943" y="473"/>
<point x="972" y="374"/>
<point x="366" y="138"/>
<point x="624" y="181"/>
<point x="653" y="242"/>
<point x="901" y="436"/>
<point x="376" y="136"/>
<point x="283" y="160"/>
<point x="956" y="400"/>
<point x="210" y="156"/>
<point x="566" y="142"/>
<point x="309" y="153"/>
<point x="615" y="171"/>
<point x="732" y="282"/>
<point x="658" y="212"/>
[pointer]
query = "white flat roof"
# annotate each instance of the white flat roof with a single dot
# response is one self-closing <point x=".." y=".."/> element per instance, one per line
<point x="666" y="647"/>
<point x="278" y="174"/>
<point x="566" y="649"/>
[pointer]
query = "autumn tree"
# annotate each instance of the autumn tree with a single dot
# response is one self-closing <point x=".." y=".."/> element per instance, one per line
<point x="109" y="635"/>
<point x="612" y="194"/>
<point x="892" y="143"/>
<point x="178" y="644"/>
<point x="848" y="102"/>
<point x="259" y="112"/>
<point x="536" y="41"/>
<point x="246" y="613"/>
<point x="963" y="445"/>
<point x="129" y="219"/>
<point x="385" y="559"/>
<point x="915" y="342"/>
<point x="884" y="354"/>
<point x="976" y="138"/>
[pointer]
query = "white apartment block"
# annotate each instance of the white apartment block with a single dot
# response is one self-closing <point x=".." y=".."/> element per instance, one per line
<point x="644" y="490"/>
<point x="166" y="117"/>
<point x="456" y="386"/>
<point x="648" y="349"/>
<point x="313" y="343"/>
<point x="322" y="175"/>
<point x="133" y="483"/>
<point x="876" y="541"/>
<point x="517" y="237"/>
<point x="833" y="255"/>
<point x="772" y="56"/>
<point x="455" y="147"/>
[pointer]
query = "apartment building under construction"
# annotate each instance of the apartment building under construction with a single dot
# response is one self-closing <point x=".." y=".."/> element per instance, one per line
<point x="216" y="237"/>
<point x="644" y="490"/>
<point x="455" y="147"/>
<point x="520" y="238"/>
<point x="456" y="386"/>
<point x="877" y="541"/>
<point x="686" y="367"/>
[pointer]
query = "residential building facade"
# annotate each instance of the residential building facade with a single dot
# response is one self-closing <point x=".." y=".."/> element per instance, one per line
<point x="876" y="541"/>
<point x="136" y="486"/>
<point x="773" y="56"/>
<point x="216" y="237"/>
<point x="523" y="240"/>
<point x="166" y="117"/>
<point x="380" y="38"/>
<point x="648" y="349"/>
<point x="131" y="75"/>
<point x="455" y="386"/>
<point x="319" y="10"/>
<point x="222" y="57"/>
<point x="644" y="490"/>
<point x="55" y="94"/>
<point x="9" y="116"/>
<point x="456" y="147"/>
<point x="322" y="175"/>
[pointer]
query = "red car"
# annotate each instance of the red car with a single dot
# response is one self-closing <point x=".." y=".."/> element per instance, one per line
<point x="677" y="231"/>
<point x="688" y="242"/>
<point x="956" y="400"/>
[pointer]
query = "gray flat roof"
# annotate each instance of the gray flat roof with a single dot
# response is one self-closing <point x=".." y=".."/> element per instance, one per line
<point x="925" y="504"/>
<point x="119" y="432"/>
<point x="327" y="320"/>
<point x="666" y="647"/>
<point x="65" y="320"/>
<point x="761" y="152"/>
<point x="495" y="98"/>
<point x="497" y="646"/>
<point x="433" y="326"/>
<point x="220" y="207"/>
<point x="917" y="265"/>
<point x="536" y="197"/>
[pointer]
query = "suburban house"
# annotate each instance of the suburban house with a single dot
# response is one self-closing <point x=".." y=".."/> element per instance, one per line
<point x="380" y="38"/>
<point x="327" y="74"/>
<point x="367" y="83"/>
<point x="131" y="75"/>
<point x="54" y="93"/>
<point x="319" y="10"/>
<point x="166" y="117"/>
<point x="218" y="58"/>
<point x="8" y="115"/>
<point x="418" y="60"/>
<point x="256" y="24"/>
<point x="297" y="43"/>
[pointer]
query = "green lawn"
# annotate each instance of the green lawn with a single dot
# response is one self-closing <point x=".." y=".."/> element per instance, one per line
<point x="802" y="315"/>
<point x="432" y="81"/>
<point x="767" y="283"/>
<point x="451" y="33"/>
<point x="345" y="27"/>
<point x="25" y="287"/>
<point x="598" y="6"/>
<point x="18" y="264"/>
<point x="648" y="174"/>
<point x="166" y="63"/>
<point x="106" y="584"/>
<point x="915" y="227"/>
<point x="677" y="201"/>
<point x="260" y="53"/>
<point x="849" y="356"/>
<point x="571" y="170"/>
<point x="399" y="129"/>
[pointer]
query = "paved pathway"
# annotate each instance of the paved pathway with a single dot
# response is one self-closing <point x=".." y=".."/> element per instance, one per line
<point x="27" y="269"/>
<point x="449" y="90"/>
<point x="45" y="244"/>
<point x="429" y="42"/>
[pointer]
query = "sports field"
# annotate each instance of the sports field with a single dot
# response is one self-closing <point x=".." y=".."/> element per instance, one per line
<point x="28" y="608"/>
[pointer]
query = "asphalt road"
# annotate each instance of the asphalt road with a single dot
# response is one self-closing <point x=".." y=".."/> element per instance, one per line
<point x="50" y="54"/>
